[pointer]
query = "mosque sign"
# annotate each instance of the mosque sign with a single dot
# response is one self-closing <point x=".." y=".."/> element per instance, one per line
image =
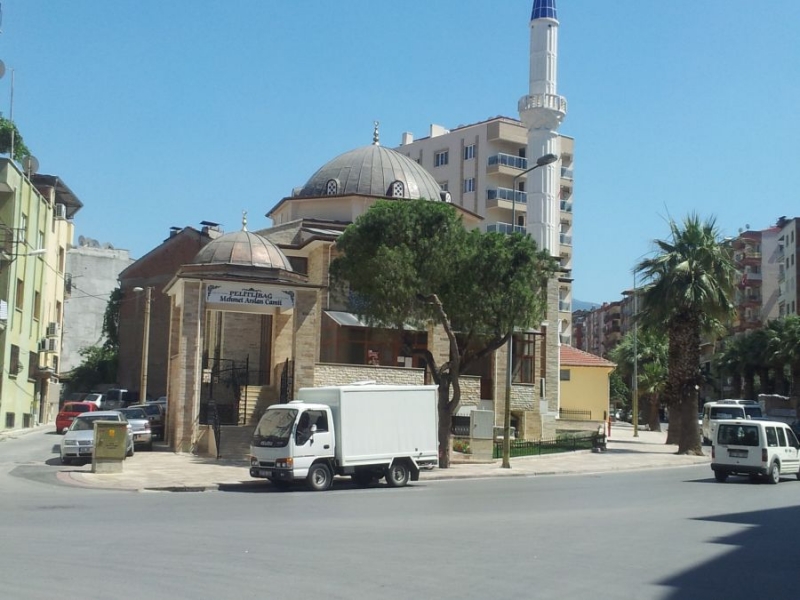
<point x="248" y="298"/>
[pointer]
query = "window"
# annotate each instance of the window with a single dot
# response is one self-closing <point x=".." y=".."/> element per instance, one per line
<point x="469" y="185"/>
<point x="332" y="187"/>
<point x="58" y="313"/>
<point x="318" y="418"/>
<point x="23" y="228"/>
<point x="524" y="356"/>
<point x="397" y="190"/>
<point x="781" y="437"/>
<point x="564" y="375"/>
<point x="469" y="152"/>
<point x="20" y="297"/>
<point x="61" y="257"/>
<point x="33" y="365"/>
<point x="14" y="365"/>
<point x="772" y="437"/>
<point x="39" y="240"/>
<point x="37" y="305"/>
<point x="441" y="158"/>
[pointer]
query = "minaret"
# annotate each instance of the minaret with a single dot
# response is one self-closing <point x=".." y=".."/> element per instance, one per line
<point x="542" y="111"/>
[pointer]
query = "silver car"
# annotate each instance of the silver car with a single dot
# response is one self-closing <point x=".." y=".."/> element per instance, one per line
<point x="140" y="426"/>
<point x="78" y="442"/>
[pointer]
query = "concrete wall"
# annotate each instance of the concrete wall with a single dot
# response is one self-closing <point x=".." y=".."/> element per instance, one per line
<point x="94" y="276"/>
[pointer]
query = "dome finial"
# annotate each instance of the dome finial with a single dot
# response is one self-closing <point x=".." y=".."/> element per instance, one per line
<point x="376" y="135"/>
<point x="244" y="220"/>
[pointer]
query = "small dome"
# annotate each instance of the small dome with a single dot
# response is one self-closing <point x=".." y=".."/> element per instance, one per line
<point x="372" y="171"/>
<point x="243" y="248"/>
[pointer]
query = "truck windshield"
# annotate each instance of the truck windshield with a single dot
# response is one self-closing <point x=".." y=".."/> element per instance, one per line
<point x="275" y="428"/>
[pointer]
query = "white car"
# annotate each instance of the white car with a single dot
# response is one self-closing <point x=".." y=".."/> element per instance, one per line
<point x="756" y="449"/>
<point x="78" y="442"/>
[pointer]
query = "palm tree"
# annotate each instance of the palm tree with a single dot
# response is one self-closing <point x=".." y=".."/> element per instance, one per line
<point x="688" y="285"/>
<point x="652" y="379"/>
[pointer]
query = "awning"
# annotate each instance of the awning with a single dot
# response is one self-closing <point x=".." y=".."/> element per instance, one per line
<point x="346" y="319"/>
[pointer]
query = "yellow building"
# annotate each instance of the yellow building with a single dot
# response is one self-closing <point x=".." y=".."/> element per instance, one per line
<point x="35" y="231"/>
<point x="585" y="390"/>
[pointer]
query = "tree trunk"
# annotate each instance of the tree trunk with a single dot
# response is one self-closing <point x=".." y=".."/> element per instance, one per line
<point x="654" y="420"/>
<point x="674" y="428"/>
<point x="690" y="435"/>
<point x="444" y="443"/>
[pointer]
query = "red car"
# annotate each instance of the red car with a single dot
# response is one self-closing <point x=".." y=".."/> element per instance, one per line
<point x="69" y="411"/>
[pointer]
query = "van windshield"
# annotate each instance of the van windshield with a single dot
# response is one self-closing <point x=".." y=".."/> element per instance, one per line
<point x="275" y="428"/>
<point x="727" y="412"/>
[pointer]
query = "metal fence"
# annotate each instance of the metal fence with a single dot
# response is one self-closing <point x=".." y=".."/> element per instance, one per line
<point x="563" y="443"/>
<point x="575" y="415"/>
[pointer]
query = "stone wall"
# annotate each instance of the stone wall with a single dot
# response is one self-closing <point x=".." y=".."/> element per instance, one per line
<point x="337" y="374"/>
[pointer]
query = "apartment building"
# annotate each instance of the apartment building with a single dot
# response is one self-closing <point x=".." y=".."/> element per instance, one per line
<point x="787" y="256"/>
<point x="36" y="229"/>
<point x="481" y="166"/>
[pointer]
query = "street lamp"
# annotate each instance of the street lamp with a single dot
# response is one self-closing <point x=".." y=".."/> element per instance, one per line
<point x="547" y="159"/>
<point x="635" y="382"/>
<point x="148" y="296"/>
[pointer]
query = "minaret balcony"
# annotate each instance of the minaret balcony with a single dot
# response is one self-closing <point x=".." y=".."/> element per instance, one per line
<point x="551" y="101"/>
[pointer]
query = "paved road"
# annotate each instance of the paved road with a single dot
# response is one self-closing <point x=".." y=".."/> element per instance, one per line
<point x="646" y="533"/>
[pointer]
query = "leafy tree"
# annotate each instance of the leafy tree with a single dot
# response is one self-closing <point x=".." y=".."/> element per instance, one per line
<point x="6" y="129"/>
<point x="787" y="349"/>
<point x="618" y="390"/>
<point x="100" y="362"/>
<point x="689" y="285"/>
<point x="111" y="320"/>
<point x="413" y="261"/>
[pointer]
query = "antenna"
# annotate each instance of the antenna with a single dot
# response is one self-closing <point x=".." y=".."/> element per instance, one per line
<point x="30" y="164"/>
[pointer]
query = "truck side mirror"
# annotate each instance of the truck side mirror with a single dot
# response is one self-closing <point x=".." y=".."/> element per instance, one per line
<point x="313" y="428"/>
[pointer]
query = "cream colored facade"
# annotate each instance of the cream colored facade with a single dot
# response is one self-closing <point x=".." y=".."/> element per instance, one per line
<point x="585" y="392"/>
<point x="482" y="166"/>
<point x="35" y="232"/>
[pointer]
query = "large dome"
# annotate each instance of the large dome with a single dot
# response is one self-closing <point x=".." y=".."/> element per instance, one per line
<point x="243" y="248"/>
<point x="372" y="171"/>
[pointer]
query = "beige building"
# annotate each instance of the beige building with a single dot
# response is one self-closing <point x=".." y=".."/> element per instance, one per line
<point x="253" y="319"/>
<point x="36" y="229"/>
<point x="482" y="167"/>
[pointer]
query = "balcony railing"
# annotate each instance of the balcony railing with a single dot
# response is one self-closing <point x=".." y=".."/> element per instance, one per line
<point x="565" y="239"/>
<point x="509" y="160"/>
<point x="564" y="306"/>
<point x="505" y="228"/>
<point x="566" y="206"/>
<point x="566" y="173"/>
<point x="507" y="194"/>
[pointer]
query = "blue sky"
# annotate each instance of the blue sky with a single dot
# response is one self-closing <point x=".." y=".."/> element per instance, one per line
<point x="167" y="113"/>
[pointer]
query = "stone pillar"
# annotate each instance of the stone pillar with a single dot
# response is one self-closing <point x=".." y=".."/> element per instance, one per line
<point x="307" y="313"/>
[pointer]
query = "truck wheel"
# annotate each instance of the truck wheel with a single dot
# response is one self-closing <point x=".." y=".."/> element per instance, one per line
<point x="319" y="477"/>
<point x="774" y="475"/>
<point x="397" y="475"/>
<point x="721" y="476"/>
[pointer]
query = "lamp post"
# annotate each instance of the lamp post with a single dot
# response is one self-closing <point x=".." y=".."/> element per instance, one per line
<point x="148" y="296"/>
<point x="635" y="382"/>
<point x="540" y="162"/>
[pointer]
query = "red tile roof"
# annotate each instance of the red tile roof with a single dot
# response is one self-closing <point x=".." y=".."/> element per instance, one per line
<point x="578" y="358"/>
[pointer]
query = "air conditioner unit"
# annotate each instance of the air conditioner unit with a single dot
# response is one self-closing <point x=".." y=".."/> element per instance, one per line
<point x="61" y="211"/>
<point x="53" y="329"/>
<point x="52" y="344"/>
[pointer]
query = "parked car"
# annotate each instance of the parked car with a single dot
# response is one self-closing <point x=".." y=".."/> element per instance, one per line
<point x="69" y="411"/>
<point x="140" y="426"/>
<point x="95" y="398"/>
<point x="754" y="448"/>
<point x="155" y="412"/>
<point x="78" y="442"/>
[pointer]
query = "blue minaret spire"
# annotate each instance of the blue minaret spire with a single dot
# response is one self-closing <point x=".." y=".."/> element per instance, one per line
<point x="544" y="9"/>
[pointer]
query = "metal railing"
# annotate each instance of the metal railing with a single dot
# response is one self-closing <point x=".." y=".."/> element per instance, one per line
<point x="506" y="194"/>
<point x="566" y="443"/>
<point x="505" y="228"/>
<point x="574" y="415"/>
<point x="508" y="160"/>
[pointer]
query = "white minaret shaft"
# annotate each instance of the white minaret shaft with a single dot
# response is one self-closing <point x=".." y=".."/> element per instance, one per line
<point x="542" y="111"/>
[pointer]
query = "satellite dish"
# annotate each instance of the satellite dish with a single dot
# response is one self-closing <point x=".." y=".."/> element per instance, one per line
<point x="2" y="68"/>
<point x="747" y="226"/>
<point x="30" y="164"/>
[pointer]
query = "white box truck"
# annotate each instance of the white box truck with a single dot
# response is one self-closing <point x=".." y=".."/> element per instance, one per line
<point x="366" y="431"/>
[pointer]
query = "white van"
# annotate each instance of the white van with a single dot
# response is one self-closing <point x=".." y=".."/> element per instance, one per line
<point x="756" y="449"/>
<point x="716" y="411"/>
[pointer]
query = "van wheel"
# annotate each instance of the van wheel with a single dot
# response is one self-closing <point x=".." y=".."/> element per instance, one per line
<point x="319" y="477"/>
<point x="398" y="474"/>
<point x="774" y="475"/>
<point x="721" y="476"/>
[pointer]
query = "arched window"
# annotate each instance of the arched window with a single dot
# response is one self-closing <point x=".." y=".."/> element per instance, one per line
<point x="332" y="187"/>
<point x="397" y="190"/>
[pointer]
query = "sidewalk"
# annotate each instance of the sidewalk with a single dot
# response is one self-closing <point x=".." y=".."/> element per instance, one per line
<point x="164" y="470"/>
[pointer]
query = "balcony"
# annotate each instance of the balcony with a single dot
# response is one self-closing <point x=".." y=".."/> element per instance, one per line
<point x="564" y="306"/>
<point x="566" y="173"/>
<point x="505" y="228"/>
<point x="506" y="194"/>
<point x="566" y="206"/>
<point x="506" y="164"/>
<point x="565" y="239"/>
